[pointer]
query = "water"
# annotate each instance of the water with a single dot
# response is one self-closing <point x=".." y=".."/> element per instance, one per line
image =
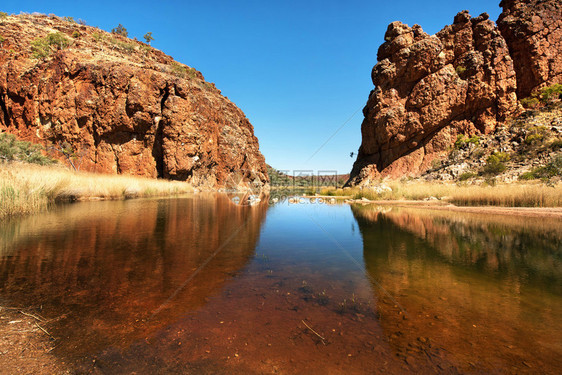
<point x="201" y="285"/>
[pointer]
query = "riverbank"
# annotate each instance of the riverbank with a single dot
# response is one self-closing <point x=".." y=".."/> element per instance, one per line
<point x="550" y="212"/>
<point x="27" y="188"/>
<point x="515" y="194"/>
<point x="25" y="345"/>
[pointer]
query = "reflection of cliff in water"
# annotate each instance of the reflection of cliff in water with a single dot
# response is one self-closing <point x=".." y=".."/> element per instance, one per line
<point x="478" y="291"/>
<point x="106" y="267"/>
<point x="526" y="249"/>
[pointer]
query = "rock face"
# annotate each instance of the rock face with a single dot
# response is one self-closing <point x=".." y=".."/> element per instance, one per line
<point x="428" y="90"/>
<point x="115" y="105"/>
<point x="533" y="31"/>
<point x="463" y="80"/>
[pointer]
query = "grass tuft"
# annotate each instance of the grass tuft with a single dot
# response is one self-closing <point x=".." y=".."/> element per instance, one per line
<point x="26" y="188"/>
<point x="528" y="194"/>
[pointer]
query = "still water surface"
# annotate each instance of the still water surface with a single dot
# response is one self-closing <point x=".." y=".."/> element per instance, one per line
<point x="202" y="285"/>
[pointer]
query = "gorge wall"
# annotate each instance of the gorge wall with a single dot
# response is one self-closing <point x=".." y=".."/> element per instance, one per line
<point x="116" y="105"/>
<point x="533" y="31"/>
<point x="466" y="79"/>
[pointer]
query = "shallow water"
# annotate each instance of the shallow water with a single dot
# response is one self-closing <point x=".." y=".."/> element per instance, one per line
<point x="202" y="285"/>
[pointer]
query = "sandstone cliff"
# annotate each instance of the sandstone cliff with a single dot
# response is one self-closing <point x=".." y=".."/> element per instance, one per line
<point x="533" y="31"/>
<point x="115" y="105"/>
<point x="463" y="80"/>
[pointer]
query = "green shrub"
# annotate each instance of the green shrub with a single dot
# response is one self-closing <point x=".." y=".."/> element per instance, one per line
<point x="98" y="36"/>
<point x="3" y="15"/>
<point x="551" y="92"/>
<point x="120" y="30"/>
<point x="42" y="47"/>
<point x="76" y="34"/>
<point x="144" y="48"/>
<point x="69" y="19"/>
<point x="13" y="150"/>
<point x="530" y="103"/>
<point x="543" y="96"/>
<point x="58" y="40"/>
<point x="466" y="175"/>
<point x="502" y="156"/>
<point x="462" y="141"/>
<point x="436" y="164"/>
<point x="552" y="169"/>
<point x="460" y="69"/>
<point x="128" y="47"/>
<point x="494" y="165"/>
<point x="475" y="140"/>
<point x="178" y="69"/>
<point x="534" y="138"/>
<point x="526" y="176"/>
<point x="2" y="40"/>
<point x="536" y="134"/>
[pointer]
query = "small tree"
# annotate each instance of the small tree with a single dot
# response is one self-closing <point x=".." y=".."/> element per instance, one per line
<point x="58" y="40"/>
<point x="121" y="30"/>
<point x="148" y="37"/>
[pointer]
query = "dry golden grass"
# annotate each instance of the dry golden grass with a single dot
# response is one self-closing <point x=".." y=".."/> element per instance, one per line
<point x="26" y="188"/>
<point x="509" y="195"/>
<point x="505" y="195"/>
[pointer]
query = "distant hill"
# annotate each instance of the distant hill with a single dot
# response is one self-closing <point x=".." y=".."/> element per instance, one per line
<point x="304" y="179"/>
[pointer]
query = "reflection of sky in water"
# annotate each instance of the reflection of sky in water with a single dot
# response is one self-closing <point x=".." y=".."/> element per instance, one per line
<point x="299" y="230"/>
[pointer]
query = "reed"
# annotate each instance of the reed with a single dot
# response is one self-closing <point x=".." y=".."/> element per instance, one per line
<point x="26" y="188"/>
<point x="530" y="194"/>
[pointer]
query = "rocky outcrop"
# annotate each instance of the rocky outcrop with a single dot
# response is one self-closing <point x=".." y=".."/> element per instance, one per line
<point x="465" y="80"/>
<point x="114" y="105"/>
<point x="428" y="89"/>
<point x="533" y="31"/>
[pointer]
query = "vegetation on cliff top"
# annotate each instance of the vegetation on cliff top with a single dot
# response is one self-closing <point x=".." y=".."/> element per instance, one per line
<point x="77" y="36"/>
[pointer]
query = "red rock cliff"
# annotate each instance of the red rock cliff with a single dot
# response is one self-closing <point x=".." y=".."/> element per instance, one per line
<point x="463" y="80"/>
<point x="533" y="31"/>
<point x="121" y="106"/>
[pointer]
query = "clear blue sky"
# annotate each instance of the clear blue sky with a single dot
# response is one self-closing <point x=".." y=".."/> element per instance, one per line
<point x="298" y="69"/>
